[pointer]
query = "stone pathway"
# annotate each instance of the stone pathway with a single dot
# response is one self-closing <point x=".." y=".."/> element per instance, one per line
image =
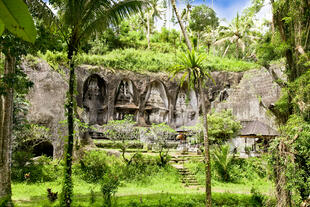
<point x="188" y="178"/>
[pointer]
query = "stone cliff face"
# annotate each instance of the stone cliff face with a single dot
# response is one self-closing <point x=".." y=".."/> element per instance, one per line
<point x="47" y="98"/>
<point x="250" y="98"/>
<point x="104" y="95"/>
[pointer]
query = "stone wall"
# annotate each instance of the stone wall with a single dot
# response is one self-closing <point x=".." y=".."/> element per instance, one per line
<point x="104" y="95"/>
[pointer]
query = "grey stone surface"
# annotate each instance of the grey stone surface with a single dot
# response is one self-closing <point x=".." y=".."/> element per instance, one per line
<point x="47" y="98"/>
<point x="247" y="99"/>
<point x="104" y="95"/>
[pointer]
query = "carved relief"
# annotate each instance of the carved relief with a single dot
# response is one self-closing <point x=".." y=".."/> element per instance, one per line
<point x="94" y="99"/>
<point x="186" y="108"/>
<point x="156" y="104"/>
<point x="124" y="103"/>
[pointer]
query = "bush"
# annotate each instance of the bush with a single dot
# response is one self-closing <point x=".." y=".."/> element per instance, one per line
<point x="240" y="170"/>
<point x="135" y="144"/>
<point x="95" y="164"/>
<point x="140" y="168"/>
<point x="109" y="185"/>
<point x="222" y="162"/>
<point x="42" y="169"/>
<point x="249" y="169"/>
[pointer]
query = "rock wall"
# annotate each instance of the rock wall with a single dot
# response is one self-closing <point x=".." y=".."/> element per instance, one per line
<point x="47" y="98"/>
<point x="250" y="98"/>
<point x="104" y="95"/>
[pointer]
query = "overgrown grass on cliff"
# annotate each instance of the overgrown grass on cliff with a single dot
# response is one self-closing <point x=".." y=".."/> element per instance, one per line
<point x="141" y="61"/>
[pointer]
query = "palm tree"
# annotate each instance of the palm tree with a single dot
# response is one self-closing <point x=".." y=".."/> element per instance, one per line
<point x="81" y="19"/>
<point x="153" y="12"/>
<point x="192" y="69"/>
<point x="237" y="33"/>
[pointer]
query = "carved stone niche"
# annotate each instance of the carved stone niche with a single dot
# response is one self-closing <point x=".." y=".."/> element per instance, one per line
<point x="124" y="100"/>
<point x="94" y="100"/>
<point x="186" y="110"/>
<point x="156" y="105"/>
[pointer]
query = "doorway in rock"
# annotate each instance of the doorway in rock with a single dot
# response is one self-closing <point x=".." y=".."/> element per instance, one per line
<point x="44" y="148"/>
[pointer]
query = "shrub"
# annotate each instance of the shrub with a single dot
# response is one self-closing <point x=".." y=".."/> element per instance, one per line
<point x="109" y="185"/>
<point x="134" y="144"/>
<point x="41" y="169"/>
<point x="222" y="162"/>
<point x="95" y="164"/>
<point x="140" y="168"/>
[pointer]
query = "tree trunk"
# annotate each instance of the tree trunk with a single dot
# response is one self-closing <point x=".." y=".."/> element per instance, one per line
<point x="187" y="41"/>
<point x="206" y="145"/>
<point x="148" y="30"/>
<point x="198" y="40"/>
<point x="68" y="185"/>
<point x="226" y="51"/>
<point x="6" y="122"/>
<point x="282" y="193"/>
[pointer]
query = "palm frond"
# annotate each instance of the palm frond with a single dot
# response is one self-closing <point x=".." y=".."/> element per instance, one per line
<point x="109" y="14"/>
<point x="40" y="10"/>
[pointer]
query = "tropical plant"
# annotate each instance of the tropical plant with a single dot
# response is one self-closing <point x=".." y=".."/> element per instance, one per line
<point x="80" y="20"/>
<point x="122" y="130"/>
<point x="222" y="162"/>
<point x="196" y="76"/>
<point x="153" y="12"/>
<point x="160" y="135"/>
<point x="241" y="32"/>
<point x="202" y="17"/>
<point x="290" y="151"/>
<point x="237" y="33"/>
<point x="15" y="17"/>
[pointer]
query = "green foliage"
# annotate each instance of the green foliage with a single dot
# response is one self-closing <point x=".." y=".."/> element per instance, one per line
<point x="239" y="170"/>
<point x="159" y="135"/>
<point x="143" y="61"/>
<point x="139" y="61"/>
<point x="257" y="197"/>
<point x="121" y="129"/>
<point x="109" y="184"/>
<point x="296" y="136"/>
<point x="17" y="19"/>
<point x="201" y="17"/>
<point x="221" y="127"/>
<point x="269" y="49"/>
<point x="222" y="162"/>
<point x="140" y="168"/>
<point x="41" y="169"/>
<point x="95" y="164"/>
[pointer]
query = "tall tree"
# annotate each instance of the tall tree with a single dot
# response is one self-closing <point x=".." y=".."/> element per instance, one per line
<point x="193" y="71"/>
<point x="241" y="31"/>
<point x="16" y="18"/>
<point x="290" y="151"/>
<point x="201" y="17"/>
<point x="80" y="20"/>
<point x="152" y="12"/>
<point x="187" y="40"/>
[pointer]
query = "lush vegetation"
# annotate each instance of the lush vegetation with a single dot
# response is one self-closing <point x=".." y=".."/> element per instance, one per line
<point x="121" y="35"/>
<point x="142" y="61"/>
<point x="144" y="177"/>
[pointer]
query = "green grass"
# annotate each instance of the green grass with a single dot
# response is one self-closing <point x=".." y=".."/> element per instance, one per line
<point x="163" y="186"/>
<point x="143" y="61"/>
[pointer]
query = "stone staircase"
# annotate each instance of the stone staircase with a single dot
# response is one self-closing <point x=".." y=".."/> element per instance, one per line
<point x="188" y="179"/>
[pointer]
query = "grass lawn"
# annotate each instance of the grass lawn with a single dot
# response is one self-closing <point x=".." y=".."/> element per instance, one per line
<point x="162" y="186"/>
